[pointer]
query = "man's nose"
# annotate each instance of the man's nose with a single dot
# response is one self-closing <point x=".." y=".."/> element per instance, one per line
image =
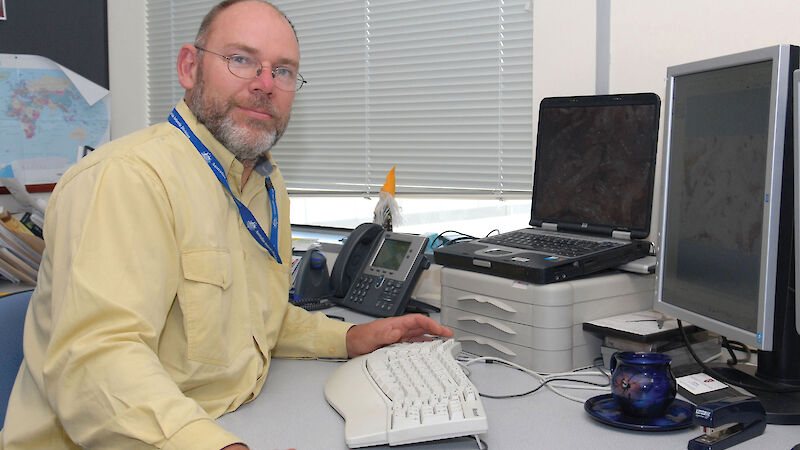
<point x="264" y="81"/>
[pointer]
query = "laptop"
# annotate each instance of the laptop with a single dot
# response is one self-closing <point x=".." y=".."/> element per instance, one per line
<point x="592" y="193"/>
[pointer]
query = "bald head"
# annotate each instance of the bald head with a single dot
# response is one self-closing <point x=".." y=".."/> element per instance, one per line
<point x="208" y="20"/>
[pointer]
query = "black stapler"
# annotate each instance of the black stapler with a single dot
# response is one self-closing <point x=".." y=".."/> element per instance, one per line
<point x="728" y="422"/>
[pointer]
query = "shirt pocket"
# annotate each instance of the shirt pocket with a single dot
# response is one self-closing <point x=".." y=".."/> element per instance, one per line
<point x="206" y="304"/>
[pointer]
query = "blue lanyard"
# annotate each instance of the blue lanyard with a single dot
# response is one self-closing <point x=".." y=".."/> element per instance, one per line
<point x="248" y="218"/>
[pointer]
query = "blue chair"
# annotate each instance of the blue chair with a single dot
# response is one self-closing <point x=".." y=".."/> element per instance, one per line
<point x="12" y="319"/>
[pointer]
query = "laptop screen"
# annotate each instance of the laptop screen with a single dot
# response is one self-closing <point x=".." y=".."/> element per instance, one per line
<point x="595" y="163"/>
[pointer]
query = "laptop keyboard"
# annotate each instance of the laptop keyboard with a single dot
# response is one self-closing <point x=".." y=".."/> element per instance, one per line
<point x="545" y="243"/>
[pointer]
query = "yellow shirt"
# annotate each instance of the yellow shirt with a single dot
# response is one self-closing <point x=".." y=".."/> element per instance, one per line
<point x="156" y="310"/>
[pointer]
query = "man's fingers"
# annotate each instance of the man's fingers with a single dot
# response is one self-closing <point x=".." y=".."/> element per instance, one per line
<point x="416" y="322"/>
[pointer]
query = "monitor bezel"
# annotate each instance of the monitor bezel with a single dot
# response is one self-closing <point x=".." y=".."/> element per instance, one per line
<point x="796" y="105"/>
<point x="762" y="338"/>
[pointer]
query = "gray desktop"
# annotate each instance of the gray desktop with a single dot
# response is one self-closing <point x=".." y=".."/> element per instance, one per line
<point x="291" y="412"/>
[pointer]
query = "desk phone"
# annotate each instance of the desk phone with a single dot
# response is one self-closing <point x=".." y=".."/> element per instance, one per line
<point x="387" y="272"/>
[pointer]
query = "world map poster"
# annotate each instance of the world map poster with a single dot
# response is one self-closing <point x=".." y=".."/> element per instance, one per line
<point x="48" y="116"/>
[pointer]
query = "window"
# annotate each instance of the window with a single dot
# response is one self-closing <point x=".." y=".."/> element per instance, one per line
<point x="440" y="90"/>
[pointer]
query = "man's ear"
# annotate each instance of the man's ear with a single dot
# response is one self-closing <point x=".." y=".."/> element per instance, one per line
<point x="188" y="65"/>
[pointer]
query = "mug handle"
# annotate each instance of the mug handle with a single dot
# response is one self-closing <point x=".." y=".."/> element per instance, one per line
<point x="612" y="363"/>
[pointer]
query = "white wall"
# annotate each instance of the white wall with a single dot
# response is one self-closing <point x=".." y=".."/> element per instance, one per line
<point x="648" y="37"/>
<point x="126" y="66"/>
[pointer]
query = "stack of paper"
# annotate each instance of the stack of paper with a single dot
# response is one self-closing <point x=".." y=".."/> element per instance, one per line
<point x="20" y="250"/>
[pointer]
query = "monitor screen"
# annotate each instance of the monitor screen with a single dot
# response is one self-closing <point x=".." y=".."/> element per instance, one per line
<point x="715" y="229"/>
<point x="595" y="161"/>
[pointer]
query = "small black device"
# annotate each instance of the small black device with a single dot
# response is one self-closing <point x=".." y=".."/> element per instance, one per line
<point x="376" y="271"/>
<point x="310" y="281"/>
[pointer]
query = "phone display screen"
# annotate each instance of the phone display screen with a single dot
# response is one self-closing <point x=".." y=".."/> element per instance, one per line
<point x="391" y="254"/>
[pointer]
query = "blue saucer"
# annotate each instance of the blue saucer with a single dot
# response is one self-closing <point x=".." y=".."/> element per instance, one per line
<point x="604" y="408"/>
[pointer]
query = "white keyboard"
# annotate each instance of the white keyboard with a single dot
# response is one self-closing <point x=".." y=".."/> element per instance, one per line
<point x="406" y="393"/>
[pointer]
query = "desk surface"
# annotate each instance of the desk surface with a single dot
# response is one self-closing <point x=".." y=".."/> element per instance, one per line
<point x="291" y="411"/>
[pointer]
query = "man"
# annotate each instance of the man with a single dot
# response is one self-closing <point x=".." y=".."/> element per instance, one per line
<point x="157" y="310"/>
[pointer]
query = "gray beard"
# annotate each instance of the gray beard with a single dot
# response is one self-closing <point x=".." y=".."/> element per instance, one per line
<point x="239" y="142"/>
<point x="246" y="145"/>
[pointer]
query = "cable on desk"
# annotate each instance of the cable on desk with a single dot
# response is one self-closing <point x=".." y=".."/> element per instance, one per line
<point x="544" y="383"/>
<point x="545" y="380"/>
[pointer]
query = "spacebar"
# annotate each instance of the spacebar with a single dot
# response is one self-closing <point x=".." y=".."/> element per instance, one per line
<point x="357" y="399"/>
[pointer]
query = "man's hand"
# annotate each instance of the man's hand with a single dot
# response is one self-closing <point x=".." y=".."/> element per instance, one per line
<point x="365" y="338"/>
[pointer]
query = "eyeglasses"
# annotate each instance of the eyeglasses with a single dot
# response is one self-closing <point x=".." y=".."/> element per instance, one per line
<point x="286" y="79"/>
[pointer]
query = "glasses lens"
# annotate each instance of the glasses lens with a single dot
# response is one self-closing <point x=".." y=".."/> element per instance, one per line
<point x="284" y="78"/>
<point x="243" y="67"/>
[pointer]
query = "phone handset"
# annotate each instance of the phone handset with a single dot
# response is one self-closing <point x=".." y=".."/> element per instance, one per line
<point x="352" y="255"/>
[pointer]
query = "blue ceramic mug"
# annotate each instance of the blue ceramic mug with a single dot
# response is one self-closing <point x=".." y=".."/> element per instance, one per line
<point x="642" y="383"/>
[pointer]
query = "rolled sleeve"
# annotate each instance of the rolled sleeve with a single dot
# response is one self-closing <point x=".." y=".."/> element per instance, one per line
<point x="306" y="335"/>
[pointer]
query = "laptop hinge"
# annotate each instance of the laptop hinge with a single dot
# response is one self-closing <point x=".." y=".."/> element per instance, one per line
<point x="549" y="226"/>
<point x="621" y="235"/>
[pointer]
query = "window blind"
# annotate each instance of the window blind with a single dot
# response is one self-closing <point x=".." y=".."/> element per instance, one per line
<point x="442" y="90"/>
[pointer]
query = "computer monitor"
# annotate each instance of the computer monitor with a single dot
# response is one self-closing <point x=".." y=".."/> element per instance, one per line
<point x="725" y="249"/>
